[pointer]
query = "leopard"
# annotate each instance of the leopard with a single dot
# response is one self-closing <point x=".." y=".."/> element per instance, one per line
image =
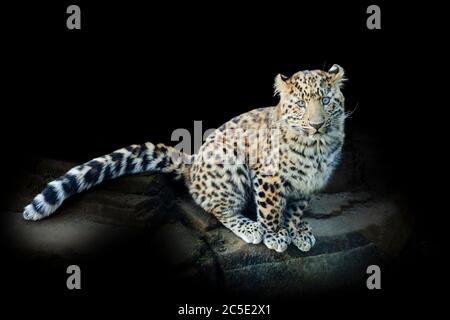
<point x="274" y="158"/>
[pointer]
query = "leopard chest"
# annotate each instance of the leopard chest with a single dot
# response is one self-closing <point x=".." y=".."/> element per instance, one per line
<point x="307" y="168"/>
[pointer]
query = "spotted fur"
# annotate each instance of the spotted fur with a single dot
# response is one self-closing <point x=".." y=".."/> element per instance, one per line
<point x="274" y="157"/>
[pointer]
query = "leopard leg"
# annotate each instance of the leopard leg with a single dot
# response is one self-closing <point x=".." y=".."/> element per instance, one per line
<point x="299" y="230"/>
<point x="214" y="188"/>
<point x="269" y="206"/>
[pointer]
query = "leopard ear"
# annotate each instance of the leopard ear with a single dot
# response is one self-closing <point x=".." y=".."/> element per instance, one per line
<point x="337" y="75"/>
<point x="281" y="86"/>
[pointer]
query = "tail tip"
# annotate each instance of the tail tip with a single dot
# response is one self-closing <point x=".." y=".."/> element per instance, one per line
<point x="29" y="213"/>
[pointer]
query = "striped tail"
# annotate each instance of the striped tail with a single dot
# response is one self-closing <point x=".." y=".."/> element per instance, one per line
<point x="133" y="159"/>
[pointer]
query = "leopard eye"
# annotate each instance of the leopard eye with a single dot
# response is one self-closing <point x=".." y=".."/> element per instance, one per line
<point x="301" y="103"/>
<point x="325" y="100"/>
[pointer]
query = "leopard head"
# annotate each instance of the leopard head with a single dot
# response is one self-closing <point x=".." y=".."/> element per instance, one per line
<point x="311" y="102"/>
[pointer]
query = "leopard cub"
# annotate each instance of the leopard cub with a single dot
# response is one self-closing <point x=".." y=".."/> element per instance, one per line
<point x="274" y="157"/>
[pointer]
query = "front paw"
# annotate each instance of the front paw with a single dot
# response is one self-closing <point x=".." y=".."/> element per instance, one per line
<point x="302" y="237"/>
<point x="304" y="242"/>
<point x="252" y="233"/>
<point x="278" y="241"/>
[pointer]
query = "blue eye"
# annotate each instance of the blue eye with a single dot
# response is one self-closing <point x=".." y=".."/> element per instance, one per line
<point x="325" y="100"/>
<point x="301" y="103"/>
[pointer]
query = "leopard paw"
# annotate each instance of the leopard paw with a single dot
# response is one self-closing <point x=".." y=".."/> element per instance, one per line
<point x="277" y="241"/>
<point x="303" y="240"/>
<point x="251" y="233"/>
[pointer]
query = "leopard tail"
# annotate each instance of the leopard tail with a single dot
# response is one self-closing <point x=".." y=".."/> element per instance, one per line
<point x="130" y="160"/>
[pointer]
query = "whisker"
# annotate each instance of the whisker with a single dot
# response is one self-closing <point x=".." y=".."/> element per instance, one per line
<point x="348" y="114"/>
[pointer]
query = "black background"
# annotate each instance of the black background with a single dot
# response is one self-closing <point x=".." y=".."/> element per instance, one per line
<point x="136" y="72"/>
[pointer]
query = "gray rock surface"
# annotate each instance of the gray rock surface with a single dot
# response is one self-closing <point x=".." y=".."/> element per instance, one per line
<point x="183" y="246"/>
<point x="195" y="216"/>
<point x="328" y="204"/>
<point x="66" y="236"/>
<point x="353" y="229"/>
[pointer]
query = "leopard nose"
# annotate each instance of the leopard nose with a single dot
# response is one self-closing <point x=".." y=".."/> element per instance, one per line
<point x="316" y="126"/>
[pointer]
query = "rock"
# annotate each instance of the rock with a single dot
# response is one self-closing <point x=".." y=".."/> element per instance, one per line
<point x="302" y="275"/>
<point x="326" y="204"/>
<point x="391" y="232"/>
<point x="120" y="209"/>
<point x="149" y="184"/>
<point x="195" y="216"/>
<point x="361" y="233"/>
<point x="186" y="251"/>
<point x="66" y="236"/>
<point x="353" y="230"/>
<point x="379" y="220"/>
<point x="232" y="252"/>
<point x="182" y="245"/>
<point x="110" y="207"/>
